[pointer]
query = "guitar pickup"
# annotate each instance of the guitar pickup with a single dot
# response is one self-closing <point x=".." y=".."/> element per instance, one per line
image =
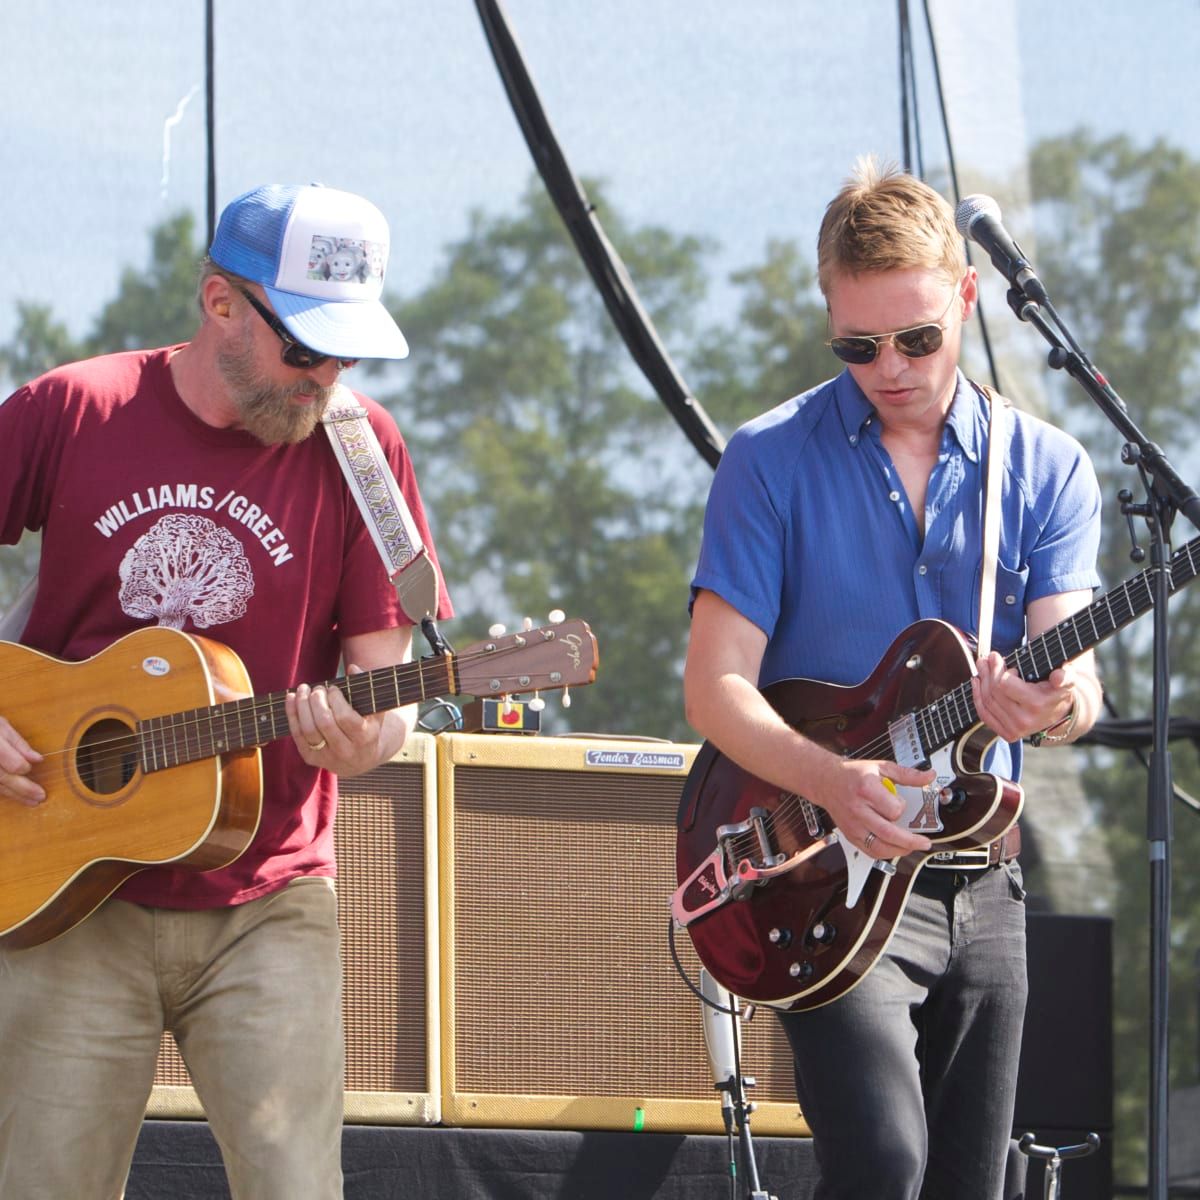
<point x="724" y="876"/>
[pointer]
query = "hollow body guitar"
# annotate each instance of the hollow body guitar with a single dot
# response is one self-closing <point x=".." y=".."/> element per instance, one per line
<point x="150" y="754"/>
<point x="781" y="909"/>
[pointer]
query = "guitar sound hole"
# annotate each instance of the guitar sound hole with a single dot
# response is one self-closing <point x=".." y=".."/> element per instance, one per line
<point x="107" y="757"/>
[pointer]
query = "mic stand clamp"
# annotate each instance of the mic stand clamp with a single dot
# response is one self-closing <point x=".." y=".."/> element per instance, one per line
<point x="736" y="1112"/>
<point x="1053" y="1157"/>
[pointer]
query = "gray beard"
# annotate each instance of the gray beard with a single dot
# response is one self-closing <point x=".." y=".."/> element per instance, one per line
<point x="267" y="411"/>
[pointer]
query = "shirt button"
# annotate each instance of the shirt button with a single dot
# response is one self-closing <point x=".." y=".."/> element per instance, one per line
<point x="922" y="569"/>
<point x="854" y="439"/>
<point x="1010" y="599"/>
<point x="893" y="496"/>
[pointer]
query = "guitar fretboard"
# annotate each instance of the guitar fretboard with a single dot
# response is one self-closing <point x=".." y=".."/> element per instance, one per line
<point x="200" y="733"/>
<point x="954" y="713"/>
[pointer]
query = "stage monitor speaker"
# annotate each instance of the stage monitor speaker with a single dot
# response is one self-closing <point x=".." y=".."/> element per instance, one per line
<point x="387" y="905"/>
<point x="1065" y="1085"/>
<point x="561" y="1005"/>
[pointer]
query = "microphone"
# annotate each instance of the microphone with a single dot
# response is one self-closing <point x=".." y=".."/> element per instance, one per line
<point x="978" y="219"/>
<point x="721" y="1036"/>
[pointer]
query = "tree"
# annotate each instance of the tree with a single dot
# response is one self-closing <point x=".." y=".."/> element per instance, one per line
<point x="153" y="307"/>
<point x="156" y="306"/>
<point x="776" y="348"/>
<point x="553" y="476"/>
<point x="1119" y="250"/>
<point x="554" y="480"/>
<point x="39" y="344"/>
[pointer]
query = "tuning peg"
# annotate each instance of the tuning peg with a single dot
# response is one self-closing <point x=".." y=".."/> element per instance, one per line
<point x="508" y="704"/>
<point x="527" y="624"/>
<point x="557" y="616"/>
<point x="537" y="703"/>
<point x="566" y="700"/>
<point x="496" y="630"/>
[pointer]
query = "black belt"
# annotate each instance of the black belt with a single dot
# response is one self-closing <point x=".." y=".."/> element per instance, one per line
<point x="1003" y="849"/>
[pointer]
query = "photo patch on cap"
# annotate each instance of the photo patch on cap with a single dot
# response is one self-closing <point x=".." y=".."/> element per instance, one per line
<point x="346" y="260"/>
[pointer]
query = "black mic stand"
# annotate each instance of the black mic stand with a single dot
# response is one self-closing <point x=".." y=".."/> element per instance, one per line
<point x="1166" y="494"/>
<point x="736" y="1110"/>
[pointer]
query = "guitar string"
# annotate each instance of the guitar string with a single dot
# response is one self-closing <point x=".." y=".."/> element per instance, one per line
<point x="1132" y="597"/>
<point x="361" y="687"/>
<point x="879" y="747"/>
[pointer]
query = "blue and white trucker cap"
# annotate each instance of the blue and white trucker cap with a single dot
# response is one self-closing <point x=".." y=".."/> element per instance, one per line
<point x="320" y="255"/>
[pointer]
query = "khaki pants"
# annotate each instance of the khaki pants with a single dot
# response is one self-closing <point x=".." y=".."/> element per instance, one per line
<point x="253" y="995"/>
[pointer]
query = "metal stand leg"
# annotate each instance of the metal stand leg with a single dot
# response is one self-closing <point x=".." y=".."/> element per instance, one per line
<point x="720" y="1014"/>
<point x="737" y="1118"/>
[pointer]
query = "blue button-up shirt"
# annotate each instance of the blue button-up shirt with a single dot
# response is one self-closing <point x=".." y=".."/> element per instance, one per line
<point x="808" y="532"/>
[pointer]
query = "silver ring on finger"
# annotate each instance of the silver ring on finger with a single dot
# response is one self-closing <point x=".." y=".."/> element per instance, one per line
<point x="869" y="840"/>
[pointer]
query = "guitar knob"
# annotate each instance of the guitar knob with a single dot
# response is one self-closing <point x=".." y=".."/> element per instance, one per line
<point x="780" y="937"/>
<point x="802" y="970"/>
<point x="824" y="932"/>
<point x="952" y="799"/>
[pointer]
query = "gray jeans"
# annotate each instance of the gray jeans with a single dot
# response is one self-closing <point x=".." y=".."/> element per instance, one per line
<point x="908" y="1082"/>
<point x="253" y="994"/>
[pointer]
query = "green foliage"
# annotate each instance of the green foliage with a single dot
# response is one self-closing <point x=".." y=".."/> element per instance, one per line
<point x="1119" y="249"/>
<point x="40" y="343"/>
<point x="553" y="479"/>
<point x="153" y="307"/>
<point x="777" y="348"/>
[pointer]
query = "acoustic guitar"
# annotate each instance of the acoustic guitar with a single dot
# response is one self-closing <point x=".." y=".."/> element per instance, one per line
<point x="150" y="754"/>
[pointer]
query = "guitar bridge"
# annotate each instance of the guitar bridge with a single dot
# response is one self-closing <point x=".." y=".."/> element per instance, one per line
<point x="744" y="858"/>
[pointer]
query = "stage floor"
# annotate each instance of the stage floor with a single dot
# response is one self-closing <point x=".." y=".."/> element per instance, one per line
<point x="180" y="1160"/>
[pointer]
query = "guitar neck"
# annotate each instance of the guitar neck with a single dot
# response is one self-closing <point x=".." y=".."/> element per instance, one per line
<point x="941" y="722"/>
<point x="200" y="733"/>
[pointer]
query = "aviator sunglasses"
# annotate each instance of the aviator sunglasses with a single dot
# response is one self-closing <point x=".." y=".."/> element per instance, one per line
<point x="918" y="341"/>
<point x="294" y="354"/>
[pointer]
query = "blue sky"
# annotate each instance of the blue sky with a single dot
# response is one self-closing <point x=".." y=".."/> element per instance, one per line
<point x="736" y="122"/>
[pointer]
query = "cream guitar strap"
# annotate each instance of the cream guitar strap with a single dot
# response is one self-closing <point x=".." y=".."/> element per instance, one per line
<point x="991" y="515"/>
<point x="382" y="504"/>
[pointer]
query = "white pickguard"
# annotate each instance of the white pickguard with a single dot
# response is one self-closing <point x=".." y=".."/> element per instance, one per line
<point x="920" y="815"/>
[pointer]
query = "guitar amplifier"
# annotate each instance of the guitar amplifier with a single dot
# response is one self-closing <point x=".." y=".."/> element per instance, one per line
<point x="561" y="1007"/>
<point x="387" y="908"/>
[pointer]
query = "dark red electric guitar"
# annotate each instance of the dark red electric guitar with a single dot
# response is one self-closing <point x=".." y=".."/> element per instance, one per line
<point x="784" y="911"/>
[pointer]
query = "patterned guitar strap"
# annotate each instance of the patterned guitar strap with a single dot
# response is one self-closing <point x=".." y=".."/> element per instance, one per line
<point x="382" y="505"/>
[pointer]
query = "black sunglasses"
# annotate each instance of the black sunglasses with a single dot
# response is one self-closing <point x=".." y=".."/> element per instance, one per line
<point x="294" y="354"/>
<point x="919" y="341"/>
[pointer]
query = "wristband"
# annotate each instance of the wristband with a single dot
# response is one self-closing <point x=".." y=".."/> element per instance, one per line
<point x="1048" y="736"/>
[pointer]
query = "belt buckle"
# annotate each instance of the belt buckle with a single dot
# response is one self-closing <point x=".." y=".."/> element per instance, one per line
<point x="961" y="860"/>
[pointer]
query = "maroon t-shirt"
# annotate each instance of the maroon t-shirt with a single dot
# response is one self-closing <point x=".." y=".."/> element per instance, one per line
<point x="151" y="517"/>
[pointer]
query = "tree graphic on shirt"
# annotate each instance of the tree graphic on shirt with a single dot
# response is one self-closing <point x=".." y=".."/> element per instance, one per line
<point x="186" y="568"/>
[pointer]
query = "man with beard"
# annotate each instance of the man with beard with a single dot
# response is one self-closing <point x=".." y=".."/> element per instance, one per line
<point x="187" y="487"/>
